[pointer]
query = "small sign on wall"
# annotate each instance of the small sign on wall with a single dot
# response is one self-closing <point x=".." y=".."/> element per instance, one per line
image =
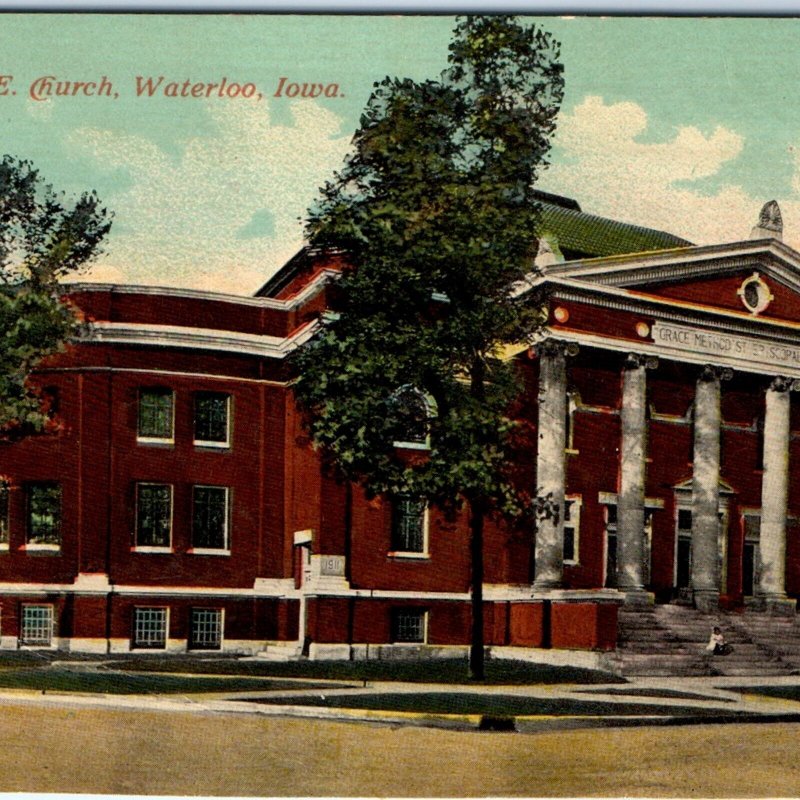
<point x="332" y="565"/>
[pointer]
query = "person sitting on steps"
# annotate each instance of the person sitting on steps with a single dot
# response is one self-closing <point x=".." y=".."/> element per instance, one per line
<point x="716" y="644"/>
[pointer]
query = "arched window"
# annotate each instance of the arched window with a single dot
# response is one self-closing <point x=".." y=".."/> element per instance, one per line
<point x="412" y="411"/>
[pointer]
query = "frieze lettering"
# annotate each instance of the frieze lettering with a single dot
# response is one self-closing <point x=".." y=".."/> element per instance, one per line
<point x="726" y="346"/>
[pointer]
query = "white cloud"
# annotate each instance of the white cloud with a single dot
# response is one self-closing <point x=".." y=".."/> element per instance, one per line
<point x="178" y="222"/>
<point x="610" y="172"/>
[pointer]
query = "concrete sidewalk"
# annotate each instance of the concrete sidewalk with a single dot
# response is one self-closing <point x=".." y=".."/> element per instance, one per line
<point x="716" y="700"/>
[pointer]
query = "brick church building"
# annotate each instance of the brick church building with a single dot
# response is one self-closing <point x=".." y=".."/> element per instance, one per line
<point x="179" y="505"/>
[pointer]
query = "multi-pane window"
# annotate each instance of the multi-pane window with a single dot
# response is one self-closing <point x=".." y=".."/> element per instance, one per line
<point x="411" y="412"/>
<point x="44" y="514"/>
<point x="4" y="519"/>
<point x="212" y="419"/>
<point x="409" y="522"/>
<point x="150" y="628"/>
<point x="153" y="515"/>
<point x="156" y="407"/>
<point x="36" y="625"/>
<point x="210" y="518"/>
<point x="206" y="630"/>
<point x="572" y="522"/>
<point x="408" y="625"/>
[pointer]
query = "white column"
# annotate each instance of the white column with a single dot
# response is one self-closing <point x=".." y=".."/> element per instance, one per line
<point x="550" y="465"/>
<point x="630" y="498"/>
<point x="705" y="489"/>
<point x="775" y="496"/>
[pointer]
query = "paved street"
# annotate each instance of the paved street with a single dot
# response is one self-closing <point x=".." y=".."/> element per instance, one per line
<point x="186" y="745"/>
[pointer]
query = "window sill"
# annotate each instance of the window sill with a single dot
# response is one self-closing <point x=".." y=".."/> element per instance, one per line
<point x="208" y="551"/>
<point x="202" y="444"/>
<point x="412" y="445"/>
<point x="571" y="452"/>
<point x="409" y="644"/>
<point x="33" y="547"/>
<point x="154" y="440"/>
<point x="4" y="547"/>
<point x="411" y="556"/>
<point x="151" y="549"/>
<point x="571" y="563"/>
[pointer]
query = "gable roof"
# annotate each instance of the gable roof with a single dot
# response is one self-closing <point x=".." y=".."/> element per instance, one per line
<point x="582" y="235"/>
<point x="579" y="236"/>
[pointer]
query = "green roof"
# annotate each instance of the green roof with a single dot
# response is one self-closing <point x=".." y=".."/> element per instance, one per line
<point x="584" y="235"/>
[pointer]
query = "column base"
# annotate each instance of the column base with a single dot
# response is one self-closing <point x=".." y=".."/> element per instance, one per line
<point x="638" y="600"/>
<point x="547" y="586"/>
<point x="706" y="600"/>
<point x="780" y="606"/>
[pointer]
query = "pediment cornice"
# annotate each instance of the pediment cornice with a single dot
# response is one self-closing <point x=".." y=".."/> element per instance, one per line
<point x="769" y="256"/>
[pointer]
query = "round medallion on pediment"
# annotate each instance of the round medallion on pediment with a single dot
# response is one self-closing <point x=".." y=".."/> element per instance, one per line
<point x="754" y="294"/>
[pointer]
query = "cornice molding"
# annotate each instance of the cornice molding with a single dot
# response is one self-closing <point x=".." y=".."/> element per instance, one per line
<point x="312" y="288"/>
<point x="676" y="311"/>
<point x="174" y="336"/>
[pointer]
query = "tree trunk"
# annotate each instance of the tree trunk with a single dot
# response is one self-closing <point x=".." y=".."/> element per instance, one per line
<point x="476" y="651"/>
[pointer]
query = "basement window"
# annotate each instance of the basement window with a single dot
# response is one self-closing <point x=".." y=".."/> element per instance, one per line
<point x="409" y="626"/>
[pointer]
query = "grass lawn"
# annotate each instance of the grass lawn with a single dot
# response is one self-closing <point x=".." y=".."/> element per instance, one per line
<point x="449" y="670"/>
<point x="490" y="705"/>
<point x="57" y="679"/>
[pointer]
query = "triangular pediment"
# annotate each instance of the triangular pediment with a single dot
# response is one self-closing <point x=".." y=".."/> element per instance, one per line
<point x="755" y="278"/>
<point x="686" y="486"/>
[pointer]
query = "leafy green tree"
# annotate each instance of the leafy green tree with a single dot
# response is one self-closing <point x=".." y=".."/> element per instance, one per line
<point x="436" y="211"/>
<point x="43" y="239"/>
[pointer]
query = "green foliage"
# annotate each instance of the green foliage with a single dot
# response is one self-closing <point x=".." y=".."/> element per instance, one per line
<point x="436" y="211"/>
<point x="42" y="239"/>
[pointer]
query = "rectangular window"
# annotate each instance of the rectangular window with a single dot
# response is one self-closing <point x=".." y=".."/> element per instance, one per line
<point x="150" y="628"/>
<point x="153" y="515"/>
<point x="206" y="631"/>
<point x="408" y="625"/>
<point x="572" y="522"/>
<point x="684" y="519"/>
<point x="210" y="518"/>
<point x="409" y="525"/>
<point x="4" y="518"/>
<point x="212" y="419"/>
<point x="36" y="626"/>
<point x="156" y="418"/>
<point x="44" y="515"/>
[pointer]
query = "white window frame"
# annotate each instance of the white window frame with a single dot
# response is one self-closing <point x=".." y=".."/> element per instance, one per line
<point x="423" y="554"/>
<point x="221" y="445"/>
<point x="149" y="548"/>
<point x="162" y="440"/>
<point x="135" y="645"/>
<point x="573" y="404"/>
<point x="42" y="547"/>
<point x="424" y="613"/>
<point x="190" y="644"/>
<point x="50" y="624"/>
<point x="214" y="551"/>
<point x="5" y="487"/>
<point x="430" y="413"/>
<point x="576" y="501"/>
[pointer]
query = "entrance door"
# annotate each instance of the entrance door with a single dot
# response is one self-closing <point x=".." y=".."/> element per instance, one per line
<point x="684" y="562"/>
<point x="749" y="569"/>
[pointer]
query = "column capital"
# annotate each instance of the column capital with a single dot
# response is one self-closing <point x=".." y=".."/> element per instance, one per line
<point x="782" y="383"/>
<point x="636" y="360"/>
<point x="553" y="347"/>
<point x="711" y="372"/>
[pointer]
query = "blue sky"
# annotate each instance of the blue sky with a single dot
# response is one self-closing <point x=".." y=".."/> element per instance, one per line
<point x="689" y="125"/>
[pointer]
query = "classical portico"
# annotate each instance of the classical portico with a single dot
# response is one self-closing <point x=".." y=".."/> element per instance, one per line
<point x="710" y="314"/>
